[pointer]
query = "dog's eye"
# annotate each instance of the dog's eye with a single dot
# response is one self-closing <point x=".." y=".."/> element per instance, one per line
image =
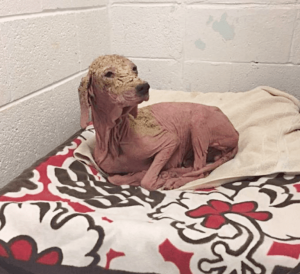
<point x="109" y="74"/>
<point x="135" y="69"/>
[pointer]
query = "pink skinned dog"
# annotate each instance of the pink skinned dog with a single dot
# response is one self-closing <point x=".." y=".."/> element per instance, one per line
<point x="164" y="145"/>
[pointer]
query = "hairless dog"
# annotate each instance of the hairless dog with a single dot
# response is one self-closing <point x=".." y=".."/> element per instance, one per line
<point x="164" y="145"/>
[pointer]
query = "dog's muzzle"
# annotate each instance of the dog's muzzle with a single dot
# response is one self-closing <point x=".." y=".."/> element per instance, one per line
<point x="142" y="89"/>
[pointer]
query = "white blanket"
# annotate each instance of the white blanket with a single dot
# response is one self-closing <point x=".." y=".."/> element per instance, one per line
<point x="267" y="120"/>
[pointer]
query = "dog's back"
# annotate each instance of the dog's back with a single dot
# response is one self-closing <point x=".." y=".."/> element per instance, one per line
<point x="189" y="122"/>
<point x="181" y="117"/>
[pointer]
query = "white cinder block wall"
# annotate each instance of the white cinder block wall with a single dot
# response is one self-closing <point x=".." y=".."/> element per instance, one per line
<point x="46" y="47"/>
<point x="200" y="45"/>
<point x="210" y="45"/>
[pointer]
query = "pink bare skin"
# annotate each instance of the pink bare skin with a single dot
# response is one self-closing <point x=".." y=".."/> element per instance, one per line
<point x="164" y="145"/>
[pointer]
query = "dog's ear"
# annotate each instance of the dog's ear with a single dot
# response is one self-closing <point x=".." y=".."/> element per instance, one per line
<point x="83" y="91"/>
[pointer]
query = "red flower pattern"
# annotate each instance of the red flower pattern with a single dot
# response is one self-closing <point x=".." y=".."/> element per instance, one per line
<point x="23" y="248"/>
<point x="214" y="212"/>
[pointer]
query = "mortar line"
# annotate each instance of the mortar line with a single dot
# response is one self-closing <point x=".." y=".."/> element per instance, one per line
<point x="148" y="2"/>
<point x="145" y="4"/>
<point x="212" y="5"/>
<point x="42" y="90"/>
<point x="210" y="61"/>
<point x="240" y="62"/>
<point x="242" y="5"/>
<point x="231" y="6"/>
<point x="45" y="13"/>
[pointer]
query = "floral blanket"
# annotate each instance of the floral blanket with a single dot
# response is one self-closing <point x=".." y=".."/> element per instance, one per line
<point x="60" y="216"/>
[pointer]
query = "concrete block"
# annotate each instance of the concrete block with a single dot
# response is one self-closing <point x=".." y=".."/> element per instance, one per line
<point x="14" y="7"/>
<point x="58" y="4"/>
<point x="206" y="77"/>
<point x="282" y="77"/>
<point x="224" y="77"/>
<point x="39" y="51"/>
<point x="93" y="35"/>
<point x="160" y="74"/>
<point x="4" y="83"/>
<point x="239" y="34"/>
<point x="35" y="125"/>
<point x="295" y="50"/>
<point x="147" y="30"/>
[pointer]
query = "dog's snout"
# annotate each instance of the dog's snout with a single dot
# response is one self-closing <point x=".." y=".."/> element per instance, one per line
<point x="142" y="89"/>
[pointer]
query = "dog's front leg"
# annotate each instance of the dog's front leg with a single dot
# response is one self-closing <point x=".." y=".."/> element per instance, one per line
<point x="173" y="183"/>
<point x="151" y="180"/>
<point x="132" y="179"/>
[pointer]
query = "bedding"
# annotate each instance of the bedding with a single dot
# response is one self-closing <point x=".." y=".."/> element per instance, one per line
<point x="61" y="216"/>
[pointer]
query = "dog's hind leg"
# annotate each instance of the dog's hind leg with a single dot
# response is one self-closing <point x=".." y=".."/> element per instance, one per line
<point x="222" y="137"/>
<point x="200" y="143"/>
<point x="226" y="156"/>
<point x="173" y="183"/>
<point x="134" y="179"/>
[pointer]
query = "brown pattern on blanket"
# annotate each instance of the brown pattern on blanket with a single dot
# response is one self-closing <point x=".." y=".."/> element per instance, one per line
<point x="60" y="216"/>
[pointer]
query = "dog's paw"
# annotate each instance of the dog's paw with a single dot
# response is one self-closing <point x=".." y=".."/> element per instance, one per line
<point x="173" y="183"/>
<point x="154" y="183"/>
<point x="132" y="179"/>
<point x="116" y="180"/>
<point x="197" y="174"/>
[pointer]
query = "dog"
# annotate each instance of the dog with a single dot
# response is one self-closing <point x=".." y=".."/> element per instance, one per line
<point x="164" y="145"/>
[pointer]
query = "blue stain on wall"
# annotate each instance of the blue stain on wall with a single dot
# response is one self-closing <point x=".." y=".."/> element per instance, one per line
<point x="226" y="30"/>
<point x="210" y="19"/>
<point x="200" y="44"/>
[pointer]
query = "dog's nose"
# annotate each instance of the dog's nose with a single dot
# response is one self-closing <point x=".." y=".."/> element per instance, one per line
<point x="142" y="89"/>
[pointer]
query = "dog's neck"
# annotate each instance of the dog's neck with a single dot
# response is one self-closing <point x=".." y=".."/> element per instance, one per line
<point x="109" y="132"/>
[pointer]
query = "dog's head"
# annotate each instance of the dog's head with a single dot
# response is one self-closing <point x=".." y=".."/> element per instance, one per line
<point x="112" y="85"/>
